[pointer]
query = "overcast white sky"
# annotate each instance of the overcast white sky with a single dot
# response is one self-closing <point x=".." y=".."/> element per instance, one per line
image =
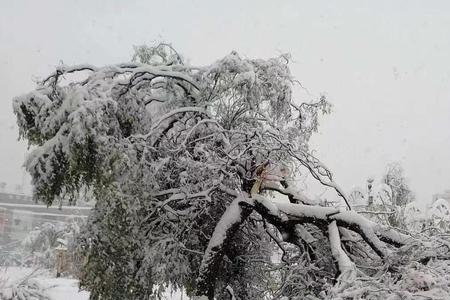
<point x="385" y="65"/>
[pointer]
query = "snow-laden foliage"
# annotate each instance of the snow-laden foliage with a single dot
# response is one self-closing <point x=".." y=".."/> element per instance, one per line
<point x="415" y="219"/>
<point x="437" y="217"/>
<point x="385" y="201"/>
<point x="11" y="254"/>
<point x="37" y="249"/>
<point x="391" y="202"/>
<point x="421" y="272"/>
<point x="23" y="288"/>
<point x="376" y="202"/>
<point x="39" y="245"/>
<point x="397" y="182"/>
<point x="182" y="162"/>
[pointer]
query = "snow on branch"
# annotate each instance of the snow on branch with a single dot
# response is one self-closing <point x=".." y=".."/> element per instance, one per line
<point x="371" y="232"/>
<point x="296" y="196"/>
<point x="168" y="146"/>
<point x="223" y="233"/>
<point x="345" y="265"/>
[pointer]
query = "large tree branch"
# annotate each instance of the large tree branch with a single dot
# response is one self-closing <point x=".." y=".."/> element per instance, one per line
<point x="295" y="234"/>
<point x="371" y="232"/>
<point x="316" y="168"/>
<point x="345" y="265"/>
<point x="374" y="234"/>
<point x="225" y="229"/>
<point x="293" y="196"/>
<point x="286" y="217"/>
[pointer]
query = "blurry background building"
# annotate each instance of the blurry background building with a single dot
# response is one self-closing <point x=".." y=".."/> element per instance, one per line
<point x="19" y="214"/>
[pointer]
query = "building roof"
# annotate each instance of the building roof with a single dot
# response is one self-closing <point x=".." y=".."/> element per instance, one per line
<point x="24" y="204"/>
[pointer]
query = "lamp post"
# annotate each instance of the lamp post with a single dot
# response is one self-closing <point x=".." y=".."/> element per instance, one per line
<point x="369" y="191"/>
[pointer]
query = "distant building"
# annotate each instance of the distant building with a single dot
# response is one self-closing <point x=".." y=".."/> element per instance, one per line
<point x="19" y="214"/>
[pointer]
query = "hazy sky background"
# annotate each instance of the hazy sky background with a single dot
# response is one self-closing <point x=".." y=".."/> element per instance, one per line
<point x="385" y="66"/>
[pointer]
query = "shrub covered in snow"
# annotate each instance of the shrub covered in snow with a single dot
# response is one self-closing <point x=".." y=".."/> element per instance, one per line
<point x="42" y="241"/>
<point x="24" y="287"/>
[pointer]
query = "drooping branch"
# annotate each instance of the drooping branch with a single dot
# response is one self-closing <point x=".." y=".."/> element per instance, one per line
<point x="277" y="241"/>
<point x="61" y="70"/>
<point x="320" y="173"/>
<point x="345" y="266"/>
<point x="288" y="219"/>
<point x="316" y="168"/>
<point x="223" y="234"/>
<point x="371" y="232"/>
<point x="374" y="234"/>
<point x="293" y="233"/>
<point x="385" y="233"/>
<point x="293" y="196"/>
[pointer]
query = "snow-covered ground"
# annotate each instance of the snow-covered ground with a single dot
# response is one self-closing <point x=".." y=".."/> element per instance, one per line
<point x="55" y="288"/>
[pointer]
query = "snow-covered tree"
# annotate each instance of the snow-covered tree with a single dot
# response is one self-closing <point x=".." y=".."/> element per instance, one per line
<point x="181" y="161"/>
<point x="397" y="182"/>
<point x="439" y="215"/>
<point x="41" y="242"/>
<point x="385" y="201"/>
<point x="415" y="218"/>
